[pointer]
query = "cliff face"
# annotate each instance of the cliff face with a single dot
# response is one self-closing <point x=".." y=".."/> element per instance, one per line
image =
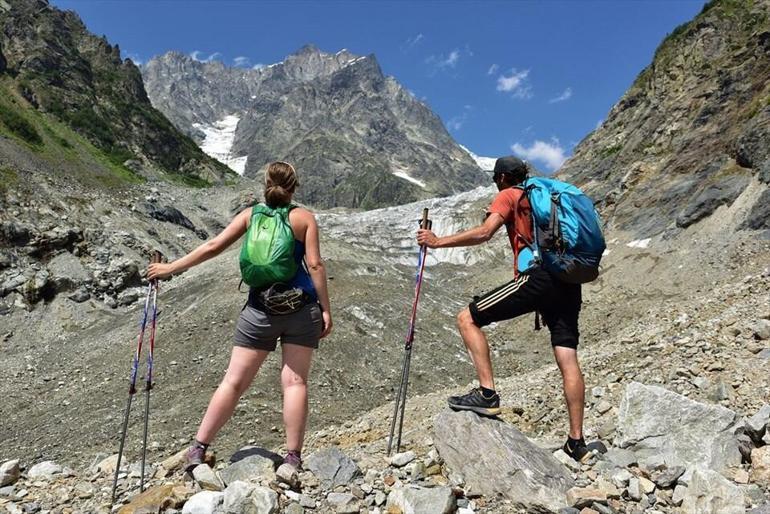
<point x="693" y="131"/>
<point x="59" y="68"/>
<point x="358" y="138"/>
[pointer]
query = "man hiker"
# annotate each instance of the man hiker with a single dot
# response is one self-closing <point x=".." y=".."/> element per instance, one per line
<point x="533" y="289"/>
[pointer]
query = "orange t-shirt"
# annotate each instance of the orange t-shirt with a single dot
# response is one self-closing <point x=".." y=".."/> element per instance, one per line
<point x="513" y="206"/>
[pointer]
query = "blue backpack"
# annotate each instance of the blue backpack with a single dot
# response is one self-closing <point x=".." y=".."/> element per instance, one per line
<point x="567" y="230"/>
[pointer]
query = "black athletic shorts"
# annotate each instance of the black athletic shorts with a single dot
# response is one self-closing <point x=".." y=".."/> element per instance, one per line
<point x="534" y="290"/>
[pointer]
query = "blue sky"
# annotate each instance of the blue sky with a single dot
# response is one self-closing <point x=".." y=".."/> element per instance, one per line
<point x="529" y="77"/>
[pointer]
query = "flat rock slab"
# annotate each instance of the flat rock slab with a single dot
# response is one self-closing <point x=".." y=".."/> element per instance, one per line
<point x="422" y="500"/>
<point x="480" y="448"/>
<point x="252" y="468"/>
<point x="205" y="502"/>
<point x="332" y="467"/>
<point x="656" y="422"/>
<point x="158" y="499"/>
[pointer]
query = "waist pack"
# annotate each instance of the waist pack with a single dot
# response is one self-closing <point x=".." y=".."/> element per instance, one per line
<point x="280" y="299"/>
<point x="568" y="239"/>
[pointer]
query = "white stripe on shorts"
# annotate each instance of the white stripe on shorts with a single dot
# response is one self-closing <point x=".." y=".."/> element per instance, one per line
<point x="503" y="293"/>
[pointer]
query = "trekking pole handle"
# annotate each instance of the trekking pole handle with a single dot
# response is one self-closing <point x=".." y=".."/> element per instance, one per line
<point x="425" y="223"/>
<point x="156" y="257"/>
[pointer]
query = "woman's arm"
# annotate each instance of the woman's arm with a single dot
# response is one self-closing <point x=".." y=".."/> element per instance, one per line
<point x="204" y="252"/>
<point x="315" y="266"/>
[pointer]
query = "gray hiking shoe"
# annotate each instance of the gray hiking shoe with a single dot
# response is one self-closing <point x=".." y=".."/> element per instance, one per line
<point x="475" y="401"/>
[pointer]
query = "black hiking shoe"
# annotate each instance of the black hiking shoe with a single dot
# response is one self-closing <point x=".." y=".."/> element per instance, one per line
<point x="576" y="448"/>
<point x="476" y="401"/>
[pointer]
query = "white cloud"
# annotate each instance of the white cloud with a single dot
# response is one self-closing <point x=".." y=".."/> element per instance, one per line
<point x="135" y="58"/>
<point x="412" y="41"/>
<point x="515" y="83"/>
<point x="442" y="62"/>
<point x="566" y="95"/>
<point x="457" y="122"/>
<point x="196" y="55"/>
<point x="493" y="69"/>
<point x="550" y="154"/>
<point x="242" y="61"/>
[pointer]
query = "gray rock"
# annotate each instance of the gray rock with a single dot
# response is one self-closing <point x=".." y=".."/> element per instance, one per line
<point x="287" y="474"/>
<point x="669" y="477"/>
<point x="265" y="501"/>
<point x="621" y="457"/>
<point x="206" y="478"/>
<point x="679" y="493"/>
<point x="759" y="217"/>
<point x="762" y="509"/>
<point x="9" y="472"/>
<point x="421" y="500"/>
<point x="756" y="425"/>
<point x="294" y="508"/>
<point x="204" y="502"/>
<point x="478" y="448"/>
<point x="7" y="491"/>
<point x="343" y="503"/>
<point x="709" y="492"/>
<point x="80" y="295"/>
<point x="251" y="468"/>
<point x="332" y="467"/>
<point x="634" y="490"/>
<point x="706" y="201"/>
<point x="45" y="470"/>
<point x="237" y="497"/>
<point x="761" y="329"/>
<point x="68" y="272"/>
<point x="654" y="421"/>
<point x="402" y="459"/>
<point x="128" y="297"/>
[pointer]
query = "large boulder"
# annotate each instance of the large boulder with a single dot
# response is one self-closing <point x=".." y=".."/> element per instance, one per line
<point x="496" y="459"/>
<point x="656" y="422"/>
<point x="709" y="492"/>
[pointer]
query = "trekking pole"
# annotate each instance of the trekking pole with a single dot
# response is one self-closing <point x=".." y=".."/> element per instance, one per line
<point x="156" y="257"/>
<point x="400" y="403"/>
<point x="132" y="385"/>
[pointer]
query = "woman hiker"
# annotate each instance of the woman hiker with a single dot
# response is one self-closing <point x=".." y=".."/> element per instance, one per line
<point x="257" y="332"/>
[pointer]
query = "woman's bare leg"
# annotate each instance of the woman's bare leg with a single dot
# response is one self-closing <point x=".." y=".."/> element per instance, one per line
<point x="296" y="367"/>
<point x="244" y="364"/>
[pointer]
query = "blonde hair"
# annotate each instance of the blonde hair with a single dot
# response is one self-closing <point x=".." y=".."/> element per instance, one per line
<point x="280" y="183"/>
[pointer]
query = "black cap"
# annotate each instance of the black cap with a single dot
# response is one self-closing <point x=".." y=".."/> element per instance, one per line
<point x="510" y="164"/>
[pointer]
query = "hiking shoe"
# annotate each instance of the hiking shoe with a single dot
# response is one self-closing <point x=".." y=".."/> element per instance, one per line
<point x="576" y="448"/>
<point x="195" y="456"/>
<point x="292" y="458"/>
<point x="476" y="401"/>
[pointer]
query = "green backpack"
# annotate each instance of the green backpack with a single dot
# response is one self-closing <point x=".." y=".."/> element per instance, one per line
<point x="267" y="253"/>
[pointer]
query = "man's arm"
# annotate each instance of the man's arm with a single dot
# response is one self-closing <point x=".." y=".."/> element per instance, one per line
<point x="474" y="236"/>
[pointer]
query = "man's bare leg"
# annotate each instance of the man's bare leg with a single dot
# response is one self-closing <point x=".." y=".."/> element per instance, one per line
<point x="574" y="388"/>
<point x="476" y="342"/>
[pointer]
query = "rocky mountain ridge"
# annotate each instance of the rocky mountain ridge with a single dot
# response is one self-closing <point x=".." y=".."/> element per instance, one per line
<point x="358" y="137"/>
<point x="692" y="133"/>
<point x="57" y="78"/>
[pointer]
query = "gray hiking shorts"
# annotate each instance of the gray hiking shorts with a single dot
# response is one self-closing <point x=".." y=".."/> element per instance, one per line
<point x="261" y="331"/>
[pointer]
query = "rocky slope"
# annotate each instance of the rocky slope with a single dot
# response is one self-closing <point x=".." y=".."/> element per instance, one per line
<point x="676" y="327"/>
<point x="53" y="70"/>
<point x="692" y="133"/>
<point x="358" y="138"/>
